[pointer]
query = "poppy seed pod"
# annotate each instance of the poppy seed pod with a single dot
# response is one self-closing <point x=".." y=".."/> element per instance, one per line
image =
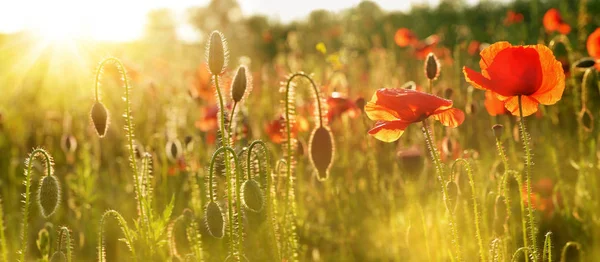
<point x="498" y="130"/>
<point x="216" y="53"/>
<point x="252" y="197"/>
<point x="451" y="201"/>
<point x="240" y="85"/>
<point x="99" y="117"/>
<point x="432" y="67"/>
<point x="48" y="195"/>
<point x="215" y="223"/>
<point x="321" y="151"/>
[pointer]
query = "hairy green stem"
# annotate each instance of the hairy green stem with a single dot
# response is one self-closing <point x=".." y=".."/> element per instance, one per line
<point x="48" y="162"/>
<point x="525" y="140"/>
<point x="440" y="174"/>
<point x="475" y="207"/>
<point x="563" y="253"/>
<point x="547" y="248"/>
<point x="67" y="235"/>
<point x="3" y="251"/>
<point x="124" y="228"/>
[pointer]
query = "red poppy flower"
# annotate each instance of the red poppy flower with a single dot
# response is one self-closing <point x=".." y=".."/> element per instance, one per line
<point x="531" y="72"/>
<point x="395" y="109"/>
<point x="201" y="84"/>
<point x="554" y="22"/>
<point x="209" y="119"/>
<point x="404" y="37"/>
<point x="542" y="196"/>
<point x="473" y="48"/>
<point x="339" y="105"/>
<point x="493" y="105"/>
<point x="429" y="45"/>
<point x="275" y="128"/>
<point x="513" y="17"/>
<point x="593" y="46"/>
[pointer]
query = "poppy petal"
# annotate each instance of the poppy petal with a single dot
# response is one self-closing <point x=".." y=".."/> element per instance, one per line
<point x="530" y="105"/>
<point x="388" y="131"/>
<point x="488" y="54"/>
<point x="452" y="117"/>
<point x="476" y="79"/>
<point x="553" y="83"/>
<point x="380" y="113"/>
<point x="564" y="29"/>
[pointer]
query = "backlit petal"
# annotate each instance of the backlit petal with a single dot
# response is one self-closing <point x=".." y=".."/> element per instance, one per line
<point x="388" y="131"/>
<point x="452" y="117"/>
<point x="476" y="79"/>
<point x="553" y="83"/>
<point x="488" y="54"/>
<point x="530" y="105"/>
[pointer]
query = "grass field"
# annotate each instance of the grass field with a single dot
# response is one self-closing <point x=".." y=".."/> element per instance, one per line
<point x="448" y="133"/>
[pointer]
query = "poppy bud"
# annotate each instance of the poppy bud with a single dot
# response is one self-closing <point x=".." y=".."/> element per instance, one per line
<point x="452" y="196"/>
<point x="58" y="256"/>
<point x="240" y="84"/>
<point x="587" y="120"/>
<point x="215" y="223"/>
<point x="500" y="209"/>
<point x="173" y="149"/>
<point x="585" y="63"/>
<point x="216" y="53"/>
<point x="498" y="129"/>
<point x="48" y="195"/>
<point x="321" y="151"/>
<point x="68" y="143"/>
<point x="432" y="67"/>
<point x="99" y="117"/>
<point x="252" y="197"/>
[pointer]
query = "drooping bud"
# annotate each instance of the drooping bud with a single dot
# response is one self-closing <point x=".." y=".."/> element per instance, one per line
<point x="68" y="143"/>
<point x="216" y="53"/>
<point x="432" y="67"/>
<point x="241" y="84"/>
<point x="252" y="197"/>
<point x="585" y="63"/>
<point x="215" y="222"/>
<point x="99" y="117"/>
<point x="452" y="196"/>
<point x="48" y="195"/>
<point x="498" y="130"/>
<point x="321" y="151"/>
<point x="173" y="149"/>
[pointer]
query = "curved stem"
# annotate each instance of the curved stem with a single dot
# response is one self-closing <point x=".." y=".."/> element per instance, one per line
<point x="563" y="253"/>
<point x="65" y="231"/>
<point x="520" y="250"/>
<point x="289" y="185"/>
<point x="235" y="244"/>
<point x="547" y="247"/>
<point x="48" y="162"/>
<point x="128" y="119"/>
<point x="519" y="179"/>
<point x="525" y="138"/>
<point x="124" y="228"/>
<point x="475" y="207"/>
<point x="248" y="156"/>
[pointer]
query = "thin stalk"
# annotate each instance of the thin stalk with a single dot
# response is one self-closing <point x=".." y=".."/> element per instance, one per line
<point x="48" y="162"/>
<point x="4" y="251"/>
<point x="231" y="118"/>
<point x="519" y="179"/>
<point x="523" y="250"/>
<point x="504" y="183"/>
<point x="67" y="235"/>
<point x="124" y="228"/>
<point x="547" y="248"/>
<point x="128" y="128"/>
<point x="563" y="253"/>
<point x="475" y="207"/>
<point x="440" y="174"/>
<point x="289" y="197"/>
<point x="525" y="137"/>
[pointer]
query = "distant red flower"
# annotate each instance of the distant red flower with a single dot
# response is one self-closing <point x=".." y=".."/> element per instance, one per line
<point x="493" y="105"/>
<point x="405" y="37"/>
<point x="450" y="149"/>
<point x="542" y="196"/>
<point x="275" y="128"/>
<point x="202" y="87"/>
<point x="473" y="48"/>
<point x="423" y="48"/>
<point x="339" y="105"/>
<point x="593" y="46"/>
<point x="396" y="109"/>
<point x="531" y="72"/>
<point x="553" y="22"/>
<point x="209" y="120"/>
<point x="513" y="17"/>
